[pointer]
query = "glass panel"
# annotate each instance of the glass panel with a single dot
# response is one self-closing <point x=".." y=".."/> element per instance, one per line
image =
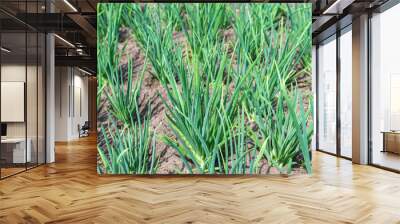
<point x="41" y="99"/>
<point x="314" y="88"/>
<point x="22" y="90"/>
<point x="385" y="84"/>
<point x="346" y="94"/>
<point x="13" y="89"/>
<point x="31" y="99"/>
<point x="32" y="87"/>
<point x="327" y="96"/>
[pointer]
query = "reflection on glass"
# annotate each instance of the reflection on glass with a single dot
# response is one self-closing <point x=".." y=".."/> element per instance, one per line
<point x="41" y="99"/>
<point x="327" y="96"/>
<point x="31" y="100"/>
<point x="346" y="94"/>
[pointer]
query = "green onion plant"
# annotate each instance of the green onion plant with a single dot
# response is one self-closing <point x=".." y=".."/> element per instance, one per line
<point x="129" y="150"/>
<point x="232" y="106"/>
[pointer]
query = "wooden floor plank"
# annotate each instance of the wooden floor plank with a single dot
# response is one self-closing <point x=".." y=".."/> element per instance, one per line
<point x="70" y="191"/>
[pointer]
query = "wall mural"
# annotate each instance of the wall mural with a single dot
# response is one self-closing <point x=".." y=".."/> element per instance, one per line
<point x="204" y="88"/>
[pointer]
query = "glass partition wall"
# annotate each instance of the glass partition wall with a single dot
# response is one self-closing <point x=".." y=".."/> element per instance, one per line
<point x="14" y="153"/>
<point x="22" y="77"/>
<point x="385" y="90"/>
<point x="334" y="93"/>
<point x="327" y="95"/>
<point x="345" y="91"/>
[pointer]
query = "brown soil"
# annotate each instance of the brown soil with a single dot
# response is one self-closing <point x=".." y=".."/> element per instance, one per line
<point x="170" y="162"/>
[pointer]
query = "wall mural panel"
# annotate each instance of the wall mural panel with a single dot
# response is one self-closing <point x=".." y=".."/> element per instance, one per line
<point x="204" y="88"/>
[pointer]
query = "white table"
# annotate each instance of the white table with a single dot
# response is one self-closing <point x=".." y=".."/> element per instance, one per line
<point x="18" y="144"/>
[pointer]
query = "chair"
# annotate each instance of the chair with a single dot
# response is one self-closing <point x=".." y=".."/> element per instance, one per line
<point x="84" y="130"/>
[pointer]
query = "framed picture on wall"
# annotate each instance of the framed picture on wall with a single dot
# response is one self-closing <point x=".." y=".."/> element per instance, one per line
<point x="205" y="88"/>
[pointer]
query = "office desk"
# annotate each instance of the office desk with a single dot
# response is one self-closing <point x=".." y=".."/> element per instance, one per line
<point x="13" y="150"/>
<point x="391" y="141"/>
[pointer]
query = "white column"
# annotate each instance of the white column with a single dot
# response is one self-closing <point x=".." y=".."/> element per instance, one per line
<point x="360" y="90"/>
<point x="50" y="100"/>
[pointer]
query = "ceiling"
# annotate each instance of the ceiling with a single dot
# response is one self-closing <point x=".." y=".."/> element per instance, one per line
<point x="332" y="15"/>
<point x="74" y="21"/>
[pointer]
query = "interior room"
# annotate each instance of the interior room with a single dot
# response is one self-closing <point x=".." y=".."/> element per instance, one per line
<point x="22" y="100"/>
<point x="385" y="87"/>
<point x="72" y="111"/>
<point x="51" y="96"/>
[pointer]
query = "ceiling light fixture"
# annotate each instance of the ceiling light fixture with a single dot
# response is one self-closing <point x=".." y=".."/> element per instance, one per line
<point x="337" y="7"/>
<point x="70" y="5"/>
<point x="5" y="50"/>
<point x="65" y="41"/>
<point x="84" y="71"/>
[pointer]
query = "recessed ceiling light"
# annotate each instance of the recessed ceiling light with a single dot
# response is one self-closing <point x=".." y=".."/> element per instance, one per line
<point x="5" y="50"/>
<point x="65" y="41"/>
<point x="70" y="5"/>
<point x="337" y="7"/>
<point x="84" y="71"/>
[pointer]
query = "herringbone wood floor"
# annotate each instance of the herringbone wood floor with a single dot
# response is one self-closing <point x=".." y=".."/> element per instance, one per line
<point x="70" y="191"/>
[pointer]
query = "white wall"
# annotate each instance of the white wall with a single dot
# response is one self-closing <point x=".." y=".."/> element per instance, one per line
<point x="33" y="126"/>
<point x="79" y="117"/>
<point x="12" y="73"/>
<point x="70" y="83"/>
<point x="62" y="82"/>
